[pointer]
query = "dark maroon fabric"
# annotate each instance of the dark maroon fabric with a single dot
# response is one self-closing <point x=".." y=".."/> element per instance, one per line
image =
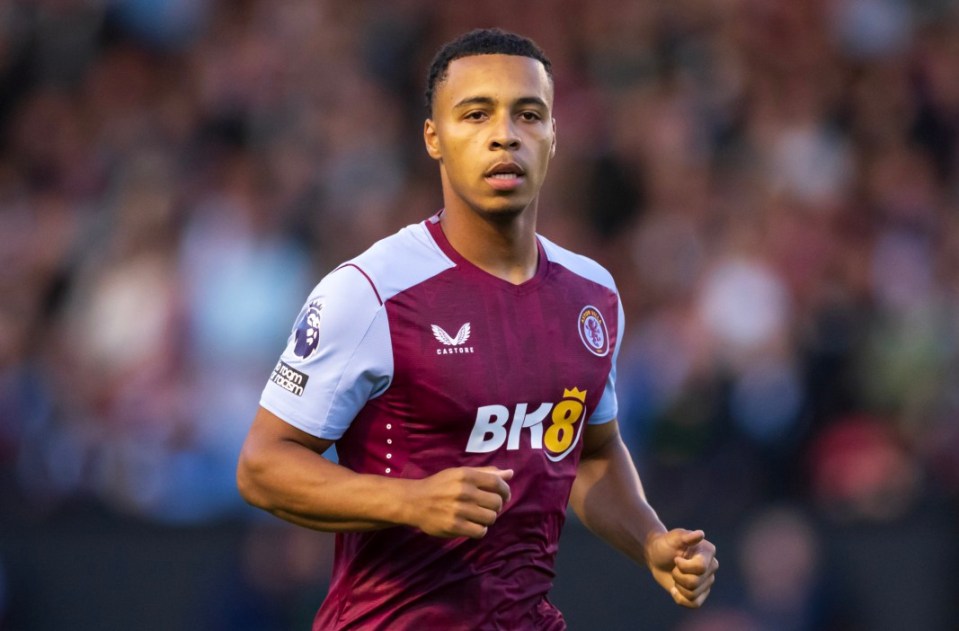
<point x="524" y="347"/>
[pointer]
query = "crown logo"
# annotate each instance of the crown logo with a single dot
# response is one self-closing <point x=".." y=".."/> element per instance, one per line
<point x="575" y="393"/>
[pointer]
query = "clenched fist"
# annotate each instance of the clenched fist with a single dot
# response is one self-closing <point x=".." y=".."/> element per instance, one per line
<point x="684" y="563"/>
<point x="460" y="502"/>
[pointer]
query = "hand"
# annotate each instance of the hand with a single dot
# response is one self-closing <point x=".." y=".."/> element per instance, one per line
<point x="684" y="563"/>
<point x="461" y="502"/>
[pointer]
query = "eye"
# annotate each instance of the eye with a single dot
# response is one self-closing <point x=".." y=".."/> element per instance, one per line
<point x="530" y="116"/>
<point x="475" y="115"/>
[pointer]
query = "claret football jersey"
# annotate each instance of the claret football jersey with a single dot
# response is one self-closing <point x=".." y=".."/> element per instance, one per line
<point x="414" y="360"/>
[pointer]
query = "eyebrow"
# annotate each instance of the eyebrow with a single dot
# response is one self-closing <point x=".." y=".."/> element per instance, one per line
<point x="488" y="101"/>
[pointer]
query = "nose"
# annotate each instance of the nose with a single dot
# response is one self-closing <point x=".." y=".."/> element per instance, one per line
<point x="505" y="137"/>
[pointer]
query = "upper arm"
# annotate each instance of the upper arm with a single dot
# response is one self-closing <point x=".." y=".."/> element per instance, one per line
<point x="267" y="449"/>
<point x="602" y="453"/>
<point x="597" y="438"/>
<point x="269" y="429"/>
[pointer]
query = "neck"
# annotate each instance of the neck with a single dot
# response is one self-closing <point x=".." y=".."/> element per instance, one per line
<point x="504" y="246"/>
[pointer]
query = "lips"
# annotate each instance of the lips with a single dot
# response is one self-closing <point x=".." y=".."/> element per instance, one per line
<point x="506" y="168"/>
<point x="505" y="176"/>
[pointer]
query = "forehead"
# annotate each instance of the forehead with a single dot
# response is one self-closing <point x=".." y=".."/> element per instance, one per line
<point x="501" y="77"/>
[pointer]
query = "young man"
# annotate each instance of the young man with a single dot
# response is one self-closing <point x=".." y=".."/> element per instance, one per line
<point x="465" y="369"/>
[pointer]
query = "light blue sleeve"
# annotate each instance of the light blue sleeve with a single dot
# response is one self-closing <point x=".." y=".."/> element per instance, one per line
<point x="338" y="357"/>
<point x="608" y="406"/>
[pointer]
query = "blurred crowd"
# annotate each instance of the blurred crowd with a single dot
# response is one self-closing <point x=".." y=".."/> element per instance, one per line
<point x="773" y="183"/>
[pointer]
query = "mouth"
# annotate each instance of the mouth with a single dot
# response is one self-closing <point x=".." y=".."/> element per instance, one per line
<point x="505" y="176"/>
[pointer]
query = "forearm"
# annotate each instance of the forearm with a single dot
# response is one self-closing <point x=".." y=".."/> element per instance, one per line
<point x="301" y="486"/>
<point x="608" y="498"/>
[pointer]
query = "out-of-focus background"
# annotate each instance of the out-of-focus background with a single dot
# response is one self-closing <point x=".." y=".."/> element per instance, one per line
<point x="774" y="183"/>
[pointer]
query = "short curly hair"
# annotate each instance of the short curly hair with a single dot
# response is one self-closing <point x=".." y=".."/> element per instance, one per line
<point x="487" y="41"/>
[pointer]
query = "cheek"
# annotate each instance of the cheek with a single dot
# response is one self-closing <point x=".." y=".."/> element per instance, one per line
<point x="545" y="151"/>
<point x="459" y="156"/>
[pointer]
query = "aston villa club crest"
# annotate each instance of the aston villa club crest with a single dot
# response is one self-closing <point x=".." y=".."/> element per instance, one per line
<point x="592" y="330"/>
<point x="307" y="333"/>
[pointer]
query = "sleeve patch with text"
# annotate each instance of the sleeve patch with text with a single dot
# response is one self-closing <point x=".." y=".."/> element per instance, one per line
<point x="289" y="379"/>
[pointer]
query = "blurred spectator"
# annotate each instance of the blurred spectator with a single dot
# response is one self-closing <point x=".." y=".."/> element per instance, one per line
<point x="861" y="472"/>
<point x="780" y="561"/>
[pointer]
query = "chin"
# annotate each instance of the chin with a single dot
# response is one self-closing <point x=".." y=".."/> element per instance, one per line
<point x="501" y="215"/>
<point x="504" y="208"/>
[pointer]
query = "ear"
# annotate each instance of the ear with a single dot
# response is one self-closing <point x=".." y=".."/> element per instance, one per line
<point x="552" y="148"/>
<point x="431" y="139"/>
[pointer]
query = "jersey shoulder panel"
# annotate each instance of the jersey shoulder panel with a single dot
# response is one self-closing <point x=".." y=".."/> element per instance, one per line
<point x="402" y="260"/>
<point x="340" y="354"/>
<point x="578" y="264"/>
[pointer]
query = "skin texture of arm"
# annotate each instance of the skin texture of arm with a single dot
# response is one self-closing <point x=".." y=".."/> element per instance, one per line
<point x="608" y="498"/>
<point x="282" y="470"/>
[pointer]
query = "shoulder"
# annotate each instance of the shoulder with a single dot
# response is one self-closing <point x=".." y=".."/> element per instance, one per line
<point x="578" y="264"/>
<point x="399" y="261"/>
